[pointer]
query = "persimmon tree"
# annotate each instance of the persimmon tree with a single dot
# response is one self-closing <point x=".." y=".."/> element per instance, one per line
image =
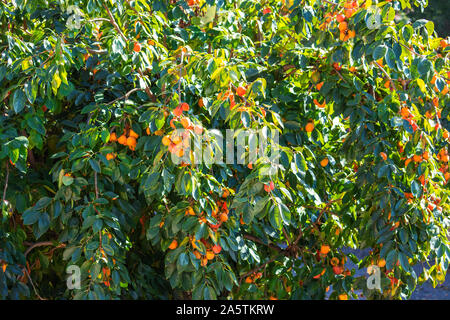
<point x="99" y="97"/>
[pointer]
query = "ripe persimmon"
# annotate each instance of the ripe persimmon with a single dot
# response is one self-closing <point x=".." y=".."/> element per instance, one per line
<point x="324" y="249"/>
<point x="113" y="137"/>
<point x="223" y="217"/>
<point x="338" y="270"/>
<point x="122" y="139"/>
<point x="173" y="245"/>
<point x="180" y="153"/>
<point x="241" y="91"/>
<point x="166" y="140"/>
<point x="343" y="26"/>
<point x="198" y="129"/>
<point x="185" y="122"/>
<point x="177" y="112"/>
<point x="210" y="255"/>
<point x="197" y="254"/>
<point x="133" y="134"/>
<point x="417" y="158"/>
<point x="334" y="261"/>
<point x="137" y="47"/>
<point x="131" y="142"/>
<point x="323" y="105"/>
<point x="184" y="106"/>
<point x="309" y="127"/>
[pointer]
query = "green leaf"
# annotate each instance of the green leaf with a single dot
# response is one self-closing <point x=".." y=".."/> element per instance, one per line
<point x="36" y="123"/>
<point x="44" y="222"/>
<point x="56" y="82"/>
<point x="379" y="52"/>
<point x="30" y="216"/>
<point x="68" y="252"/>
<point x="403" y="261"/>
<point x="391" y="259"/>
<point x="285" y="214"/>
<point x="19" y="99"/>
<point x="95" y="165"/>
<point x="67" y="181"/>
<point x="183" y="260"/>
<point x="105" y="135"/>
<point x="425" y="66"/>
<point x="416" y="189"/>
<point x="407" y="32"/>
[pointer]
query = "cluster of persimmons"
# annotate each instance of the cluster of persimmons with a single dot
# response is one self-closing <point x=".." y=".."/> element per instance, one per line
<point x="128" y="138"/>
<point x="220" y="213"/>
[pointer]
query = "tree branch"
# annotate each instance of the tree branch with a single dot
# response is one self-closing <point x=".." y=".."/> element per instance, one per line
<point x="96" y="185"/>
<point x="116" y="26"/>
<point x="6" y="184"/>
<point x="96" y="197"/>
<point x="125" y="96"/>
<point x="99" y="52"/>
<point x="32" y="284"/>
<point x="255" y="239"/>
<point x="391" y="84"/>
<point x="256" y="269"/>
<point x="114" y="23"/>
<point x="181" y="75"/>
<point x="42" y="244"/>
<point x="286" y="236"/>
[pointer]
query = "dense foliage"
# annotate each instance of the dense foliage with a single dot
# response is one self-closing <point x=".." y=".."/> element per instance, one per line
<point x="89" y="100"/>
<point x="437" y="11"/>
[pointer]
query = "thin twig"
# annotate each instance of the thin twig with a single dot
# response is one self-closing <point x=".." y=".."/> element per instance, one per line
<point x="114" y="23"/>
<point x="340" y="76"/>
<point x="411" y="50"/>
<point x="98" y="19"/>
<point x="116" y="26"/>
<point x="137" y="13"/>
<point x="96" y="185"/>
<point x="99" y="52"/>
<point x="125" y="96"/>
<point x="147" y="90"/>
<point x="256" y="269"/>
<point x="40" y="244"/>
<point x="96" y="197"/>
<point x="181" y="76"/>
<point x="255" y="239"/>
<point x="6" y="184"/>
<point x="286" y="236"/>
<point x="391" y="84"/>
<point x="32" y="284"/>
<point x="329" y="2"/>
<point x="300" y="234"/>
